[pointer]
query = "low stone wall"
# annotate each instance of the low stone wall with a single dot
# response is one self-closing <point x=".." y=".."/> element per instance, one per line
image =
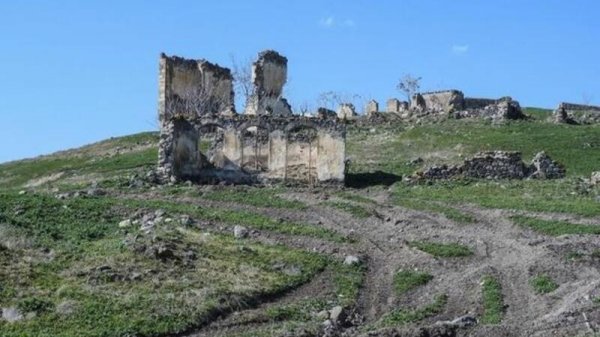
<point x="478" y="103"/>
<point x="571" y="113"/>
<point x="498" y="165"/>
<point x="503" y="109"/>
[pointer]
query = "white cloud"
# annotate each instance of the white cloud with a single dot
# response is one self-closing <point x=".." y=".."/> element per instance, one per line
<point x="460" y="49"/>
<point x="349" y="23"/>
<point x="330" y="22"/>
<point x="327" y="22"/>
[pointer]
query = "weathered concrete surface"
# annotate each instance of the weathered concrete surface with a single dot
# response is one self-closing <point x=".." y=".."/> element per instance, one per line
<point x="269" y="75"/>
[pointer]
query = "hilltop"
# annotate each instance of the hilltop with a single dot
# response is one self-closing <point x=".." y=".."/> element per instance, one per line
<point x="90" y="246"/>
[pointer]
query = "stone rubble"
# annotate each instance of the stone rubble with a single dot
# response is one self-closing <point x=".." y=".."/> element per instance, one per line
<point x="497" y="165"/>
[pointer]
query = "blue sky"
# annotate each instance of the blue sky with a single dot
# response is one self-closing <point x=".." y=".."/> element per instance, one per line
<point x="73" y="72"/>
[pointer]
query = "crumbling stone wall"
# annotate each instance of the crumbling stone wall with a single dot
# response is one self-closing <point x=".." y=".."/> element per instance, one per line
<point x="571" y="113"/>
<point x="479" y="103"/>
<point x="194" y="88"/>
<point x="394" y="105"/>
<point x="346" y="111"/>
<point x="371" y="107"/>
<point x="505" y="108"/>
<point x="445" y="101"/>
<point x="269" y="75"/>
<point x="498" y="165"/>
<point x="254" y="149"/>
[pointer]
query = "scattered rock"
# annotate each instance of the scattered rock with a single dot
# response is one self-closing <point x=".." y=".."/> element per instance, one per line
<point x="186" y="220"/>
<point x="323" y="315"/>
<point x="497" y="165"/>
<point x="595" y="178"/>
<point x="543" y="167"/>
<point x="95" y="192"/>
<point x="460" y="322"/>
<point x="351" y="260"/>
<point x="125" y="223"/>
<point x="12" y="314"/>
<point x="22" y="192"/>
<point x="240" y="232"/>
<point x="335" y="314"/>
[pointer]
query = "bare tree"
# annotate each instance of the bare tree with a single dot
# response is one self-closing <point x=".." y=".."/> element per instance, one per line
<point x="586" y="98"/>
<point x="198" y="101"/>
<point x="242" y="78"/>
<point x="409" y="85"/>
<point x="331" y="99"/>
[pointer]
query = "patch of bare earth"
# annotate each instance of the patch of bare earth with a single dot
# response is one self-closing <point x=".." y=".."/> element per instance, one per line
<point x="512" y="254"/>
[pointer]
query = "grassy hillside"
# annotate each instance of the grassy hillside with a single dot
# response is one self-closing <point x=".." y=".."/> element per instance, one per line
<point x="144" y="260"/>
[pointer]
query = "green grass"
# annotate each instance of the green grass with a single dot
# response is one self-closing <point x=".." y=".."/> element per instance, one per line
<point x="543" y="284"/>
<point x="407" y="280"/>
<point x="452" y="140"/>
<point x="555" y="227"/>
<point x="530" y="195"/>
<point x="442" y="249"/>
<point x="348" y="280"/>
<point x="259" y="197"/>
<point x="355" y="210"/>
<point x="244" y="218"/>
<point x="425" y="205"/>
<point x="406" y="316"/>
<point x="83" y="234"/>
<point x="82" y="161"/>
<point x="493" y="301"/>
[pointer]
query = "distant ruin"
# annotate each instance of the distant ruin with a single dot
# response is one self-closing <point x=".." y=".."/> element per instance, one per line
<point x="571" y="113"/>
<point x="453" y="103"/>
<point x="268" y="143"/>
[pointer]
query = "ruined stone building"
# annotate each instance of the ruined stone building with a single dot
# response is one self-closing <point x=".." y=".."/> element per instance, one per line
<point x="268" y="143"/>
<point x="454" y="103"/>
<point x="571" y="113"/>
